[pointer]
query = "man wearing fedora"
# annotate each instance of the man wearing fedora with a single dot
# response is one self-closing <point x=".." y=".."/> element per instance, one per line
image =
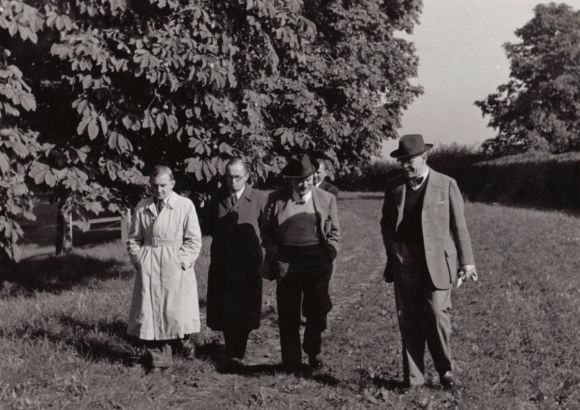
<point x="428" y="246"/>
<point x="301" y="235"/>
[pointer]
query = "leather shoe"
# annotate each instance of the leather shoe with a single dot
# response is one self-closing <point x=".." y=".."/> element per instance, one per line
<point x="315" y="363"/>
<point x="448" y="380"/>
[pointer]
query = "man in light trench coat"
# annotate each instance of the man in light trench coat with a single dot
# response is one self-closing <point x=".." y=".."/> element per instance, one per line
<point x="164" y="242"/>
<point x="428" y="244"/>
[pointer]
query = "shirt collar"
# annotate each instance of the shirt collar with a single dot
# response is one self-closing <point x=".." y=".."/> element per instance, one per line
<point x="240" y="192"/>
<point x="306" y="198"/>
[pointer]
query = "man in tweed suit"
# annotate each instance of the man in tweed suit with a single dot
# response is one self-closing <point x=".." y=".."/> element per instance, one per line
<point x="427" y="244"/>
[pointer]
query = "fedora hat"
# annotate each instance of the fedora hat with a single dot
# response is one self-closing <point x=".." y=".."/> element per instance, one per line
<point x="411" y="145"/>
<point x="299" y="167"/>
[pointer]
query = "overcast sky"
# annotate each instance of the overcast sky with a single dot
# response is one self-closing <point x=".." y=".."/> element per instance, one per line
<point x="459" y="43"/>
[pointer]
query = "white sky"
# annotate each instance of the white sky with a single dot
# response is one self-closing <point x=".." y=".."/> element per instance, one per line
<point x="461" y="60"/>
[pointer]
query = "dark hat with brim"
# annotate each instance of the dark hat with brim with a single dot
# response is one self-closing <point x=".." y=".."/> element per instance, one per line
<point x="299" y="167"/>
<point x="411" y="145"/>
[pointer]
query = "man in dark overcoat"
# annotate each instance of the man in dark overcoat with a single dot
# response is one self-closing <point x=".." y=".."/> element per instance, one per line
<point x="301" y="235"/>
<point x="234" y="290"/>
<point x="427" y="244"/>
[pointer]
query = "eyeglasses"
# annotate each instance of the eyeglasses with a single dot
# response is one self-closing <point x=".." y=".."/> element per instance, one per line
<point x="236" y="178"/>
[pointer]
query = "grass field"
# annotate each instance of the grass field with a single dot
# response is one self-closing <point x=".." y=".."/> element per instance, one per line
<point x="515" y="341"/>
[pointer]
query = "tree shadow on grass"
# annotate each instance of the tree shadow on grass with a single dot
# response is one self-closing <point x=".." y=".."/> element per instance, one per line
<point x="57" y="274"/>
<point x="214" y="352"/>
<point x="368" y="379"/>
<point x="93" y="341"/>
<point x="102" y="341"/>
<point x="319" y="376"/>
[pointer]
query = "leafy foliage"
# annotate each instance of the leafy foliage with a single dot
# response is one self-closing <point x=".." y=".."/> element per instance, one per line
<point x="117" y="86"/>
<point x="538" y="108"/>
<point x="19" y="148"/>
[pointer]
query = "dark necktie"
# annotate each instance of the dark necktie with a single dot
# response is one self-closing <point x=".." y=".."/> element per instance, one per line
<point x="160" y="205"/>
<point x="233" y="200"/>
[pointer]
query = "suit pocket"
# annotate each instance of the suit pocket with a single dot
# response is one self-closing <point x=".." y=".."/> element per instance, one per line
<point x="140" y="258"/>
<point x="327" y="226"/>
<point x="451" y="258"/>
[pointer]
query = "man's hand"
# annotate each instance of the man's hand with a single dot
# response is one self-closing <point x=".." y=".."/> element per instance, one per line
<point x="466" y="272"/>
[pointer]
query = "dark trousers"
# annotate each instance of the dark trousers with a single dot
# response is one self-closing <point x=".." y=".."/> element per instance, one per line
<point x="423" y="313"/>
<point x="160" y="353"/>
<point x="236" y="342"/>
<point x="304" y="287"/>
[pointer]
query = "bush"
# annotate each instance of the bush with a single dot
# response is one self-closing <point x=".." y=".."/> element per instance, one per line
<point x="452" y="159"/>
<point x="533" y="179"/>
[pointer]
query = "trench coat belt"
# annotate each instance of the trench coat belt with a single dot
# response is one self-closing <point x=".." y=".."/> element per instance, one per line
<point x="162" y="243"/>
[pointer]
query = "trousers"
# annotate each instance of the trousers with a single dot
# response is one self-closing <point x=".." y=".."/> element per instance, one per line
<point x="423" y="314"/>
<point x="159" y="353"/>
<point x="236" y="342"/>
<point x="304" y="288"/>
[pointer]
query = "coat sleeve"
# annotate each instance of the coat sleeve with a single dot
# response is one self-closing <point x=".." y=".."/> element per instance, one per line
<point x="211" y="220"/>
<point x="266" y="226"/>
<point x="458" y="226"/>
<point x="334" y="191"/>
<point x="135" y="238"/>
<point x="386" y="230"/>
<point x="333" y="235"/>
<point x="388" y="235"/>
<point x="191" y="246"/>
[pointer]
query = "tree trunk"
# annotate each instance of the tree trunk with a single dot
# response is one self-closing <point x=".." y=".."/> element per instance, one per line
<point x="63" y="242"/>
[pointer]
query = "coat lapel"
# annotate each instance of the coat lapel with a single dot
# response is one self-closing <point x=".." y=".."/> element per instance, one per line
<point x="431" y="189"/>
<point x="248" y="194"/>
<point x="400" y="192"/>
<point x="225" y="202"/>
<point x="319" y="203"/>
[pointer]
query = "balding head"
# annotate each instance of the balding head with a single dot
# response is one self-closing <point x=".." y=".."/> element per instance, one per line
<point x="162" y="170"/>
<point x="162" y="182"/>
<point x="238" y="162"/>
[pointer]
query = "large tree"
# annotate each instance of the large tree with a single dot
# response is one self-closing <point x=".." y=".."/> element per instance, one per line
<point x="122" y="85"/>
<point x="539" y="107"/>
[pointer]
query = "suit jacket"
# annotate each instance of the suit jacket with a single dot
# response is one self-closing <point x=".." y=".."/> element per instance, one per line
<point x="328" y="187"/>
<point x="445" y="235"/>
<point x="234" y="289"/>
<point x="326" y="215"/>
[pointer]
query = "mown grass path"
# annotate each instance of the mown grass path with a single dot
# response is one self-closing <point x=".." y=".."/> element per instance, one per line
<point x="515" y="340"/>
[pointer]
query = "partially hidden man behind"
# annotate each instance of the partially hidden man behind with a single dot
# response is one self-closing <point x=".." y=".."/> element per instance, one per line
<point x="320" y="177"/>
<point x="425" y="236"/>
<point x="164" y="242"/>
<point x="301" y="235"/>
<point x="234" y="292"/>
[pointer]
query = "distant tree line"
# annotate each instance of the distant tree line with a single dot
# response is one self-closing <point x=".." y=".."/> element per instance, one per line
<point x="94" y="92"/>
